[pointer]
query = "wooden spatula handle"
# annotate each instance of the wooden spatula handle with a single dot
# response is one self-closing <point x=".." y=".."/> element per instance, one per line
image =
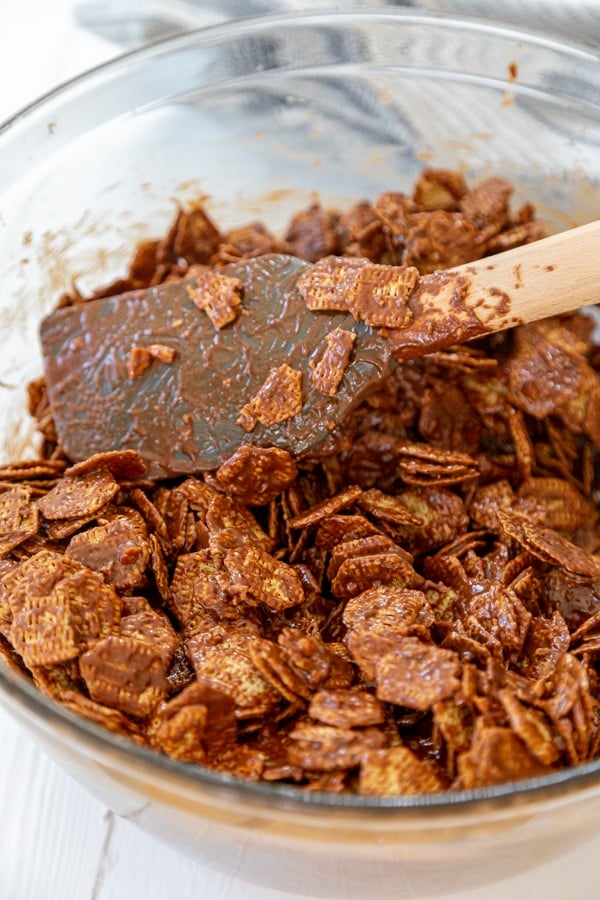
<point x="557" y="275"/>
<point x="545" y="278"/>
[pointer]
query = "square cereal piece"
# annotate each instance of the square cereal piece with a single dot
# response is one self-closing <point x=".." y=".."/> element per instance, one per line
<point x="118" y="548"/>
<point x="256" y="475"/>
<point x="193" y="237"/>
<point x="324" y="747"/>
<point x="326" y="284"/>
<point x="319" y="664"/>
<point x="59" y="606"/>
<point x="376" y="294"/>
<point x="124" y="465"/>
<point x="346" y="708"/>
<point x="279" y="398"/>
<point x="154" y="628"/>
<point x="227" y="515"/>
<point x="197" y="721"/>
<point x="194" y="574"/>
<point x="364" y="572"/>
<point x="19" y="518"/>
<point x="333" y="361"/>
<point x="497" y="755"/>
<point x="274" y="665"/>
<point x="126" y="674"/>
<point x="417" y="674"/>
<point x="219" y="296"/>
<point x="257" y="577"/>
<point x="77" y="496"/>
<point x="549" y="545"/>
<point x="222" y="658"/>
<point x="397" y="770"/>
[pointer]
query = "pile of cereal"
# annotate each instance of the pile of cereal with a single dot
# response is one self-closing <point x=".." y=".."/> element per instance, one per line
<point x="414" y="608"/>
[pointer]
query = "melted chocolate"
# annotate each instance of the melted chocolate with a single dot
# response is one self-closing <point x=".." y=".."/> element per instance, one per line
<point x="445" y="312"/>
<point x="181" y="416"/>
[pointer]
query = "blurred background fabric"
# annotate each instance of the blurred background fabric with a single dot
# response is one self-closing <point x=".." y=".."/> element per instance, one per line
<point x="130" y="23"/>
<point x="44" y="43"/>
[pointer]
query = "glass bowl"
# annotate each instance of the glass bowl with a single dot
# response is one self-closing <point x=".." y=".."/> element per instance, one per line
<point x="259" y="116"/>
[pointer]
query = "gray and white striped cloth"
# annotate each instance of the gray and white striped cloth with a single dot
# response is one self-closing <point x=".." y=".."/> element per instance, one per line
<point x="130" y="23"/>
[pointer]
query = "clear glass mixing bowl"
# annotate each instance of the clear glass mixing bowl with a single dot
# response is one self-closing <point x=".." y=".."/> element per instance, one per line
<point x="258" y="116"/>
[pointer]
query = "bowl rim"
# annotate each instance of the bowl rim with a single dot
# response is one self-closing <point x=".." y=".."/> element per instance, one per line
<point x="577" y="780"/>
<point x="22" y="699"/>
<point x="246" y="25"/>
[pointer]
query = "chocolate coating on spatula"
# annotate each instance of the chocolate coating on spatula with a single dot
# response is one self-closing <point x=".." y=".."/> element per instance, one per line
<point x="182" y="416"/>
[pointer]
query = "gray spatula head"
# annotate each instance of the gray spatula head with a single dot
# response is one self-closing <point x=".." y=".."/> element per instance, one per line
<point x="182" y="416"/>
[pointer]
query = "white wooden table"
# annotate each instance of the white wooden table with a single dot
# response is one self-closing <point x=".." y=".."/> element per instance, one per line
<point x="56" y="842"/>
